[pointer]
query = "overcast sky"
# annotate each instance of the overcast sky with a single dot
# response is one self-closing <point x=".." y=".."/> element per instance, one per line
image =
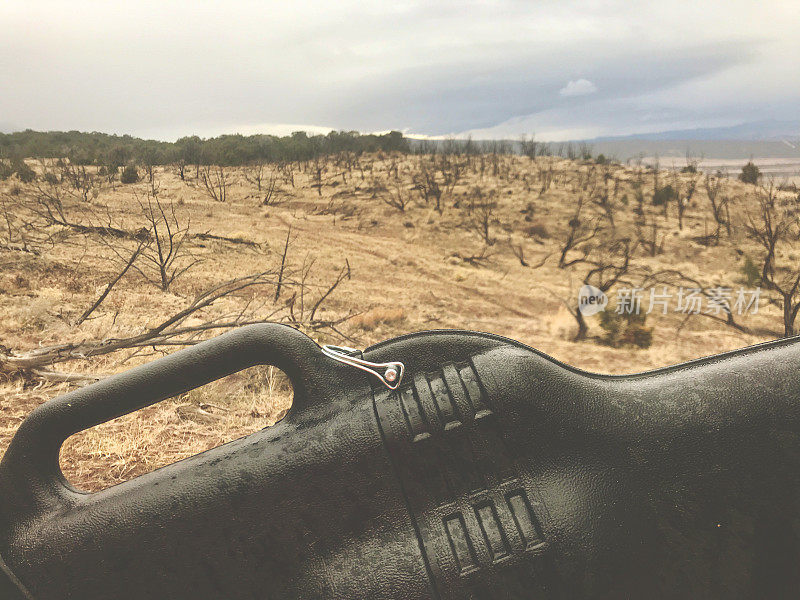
<point x="561" y="68"/>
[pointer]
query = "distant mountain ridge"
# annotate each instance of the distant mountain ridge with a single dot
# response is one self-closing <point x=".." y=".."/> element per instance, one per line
<point x="766" y="130"/>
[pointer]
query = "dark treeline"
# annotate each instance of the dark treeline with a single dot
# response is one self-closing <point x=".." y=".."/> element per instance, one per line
<point x="115" y="151"/>
<point x="103" y="149"/>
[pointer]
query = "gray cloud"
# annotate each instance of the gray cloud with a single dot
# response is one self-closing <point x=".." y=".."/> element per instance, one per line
<point x="167" y="69"/>
<point x="473" y="95"/>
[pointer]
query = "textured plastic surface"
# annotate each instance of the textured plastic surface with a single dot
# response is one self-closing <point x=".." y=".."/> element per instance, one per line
<point x="493" y="472"/>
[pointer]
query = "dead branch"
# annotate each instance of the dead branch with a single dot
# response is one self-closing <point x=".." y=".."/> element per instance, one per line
<point x="177" y="330"/>
<point x="343" y="274"/>
<point x="165" y="332"/>
<point x="111" y="285"/>
<point x="476" y="260"/>
<point x="206" y="236"/>
<point x="677" y="277"/>
<point x="49" y="207"/>
<point x="283" y="264"/>
<point x="519" y="251"/>
<point x="61" y="377"/>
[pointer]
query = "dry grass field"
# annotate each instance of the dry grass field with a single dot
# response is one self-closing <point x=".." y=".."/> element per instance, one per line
<point x="370" y="255"/>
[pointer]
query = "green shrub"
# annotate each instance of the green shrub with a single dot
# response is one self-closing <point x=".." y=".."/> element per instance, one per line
<point x="664" y="195"/>
<point x="750" y="173"/>
<point x="537" y="229"/>
<point x="129" y="174"/>
<point x="6" y="170"/>
<point x="24" y="173"/>
<point x="627" y="329"/>
<point x="751" y="274"/>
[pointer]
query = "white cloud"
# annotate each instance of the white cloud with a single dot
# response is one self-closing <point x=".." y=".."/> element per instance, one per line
<point x="579" y="87"/>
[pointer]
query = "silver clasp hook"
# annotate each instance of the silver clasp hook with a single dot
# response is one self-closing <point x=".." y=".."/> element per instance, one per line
<point x="390" y="373"/>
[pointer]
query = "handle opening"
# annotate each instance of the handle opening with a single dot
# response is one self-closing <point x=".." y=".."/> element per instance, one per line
<point x="176" y="428"/>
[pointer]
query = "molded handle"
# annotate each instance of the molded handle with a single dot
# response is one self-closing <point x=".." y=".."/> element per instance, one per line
<point x="32" y="459"/>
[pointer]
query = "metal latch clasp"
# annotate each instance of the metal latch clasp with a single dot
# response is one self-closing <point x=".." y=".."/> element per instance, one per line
<point x="390" y="373"/>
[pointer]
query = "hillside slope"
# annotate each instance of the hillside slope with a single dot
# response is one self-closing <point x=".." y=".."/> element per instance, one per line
<point x="487" y="259"/>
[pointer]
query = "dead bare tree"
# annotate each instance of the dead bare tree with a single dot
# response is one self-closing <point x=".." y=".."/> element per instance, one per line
<point x="21" y="231"/>
<point x="256" y="173"/>
<point x="606" y="265"/>
<point x="48" y="202"/>
<point x="581" y="230"/>
<point x="215" y="182"/>
<point x="545" y="172"/>
<point x="8" y="218"/>
<point x="719" y="205"/>
<point x="286" y="169"/>
<point x="647" y="234"/>
<point x="452" y="169"/>
<point x="81" y="180"/>
<point x="529" y="146"/>
<point x="776" y="229"/>
<point x="319" y="167"/>
<point x="684" y="191"/>
<point x="426" y="183"/>
<point x="396" y="195"/>
<point x="343" y="274"/>
<point x="166" y="255"/>
<point x="393" y="168"/>
<point x="180" y="168"/>
<point x="637" y="187"/>
<point x="604" y="195"/>
<point x="270" y="190"/>
<point x="480" y="216"/>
